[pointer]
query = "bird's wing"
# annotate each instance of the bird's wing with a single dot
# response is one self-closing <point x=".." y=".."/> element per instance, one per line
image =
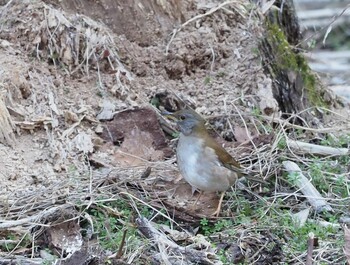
<point x="229" y="162"/>
<point x="224" y="157"/>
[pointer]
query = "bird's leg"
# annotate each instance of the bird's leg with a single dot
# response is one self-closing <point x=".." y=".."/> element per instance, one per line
<point x="218" y="209"/>
<point x="199" y="196"/>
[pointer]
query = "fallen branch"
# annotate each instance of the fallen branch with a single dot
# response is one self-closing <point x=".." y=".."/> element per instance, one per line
<point x="169" y="250"/>
<point x="312" y="195"/>
<point x="347" y="243"/>
<point x="316" y="149"/>
<point x="21" y="260"/>
<point x="344" y="220"/>
<point x="31" y="220"/>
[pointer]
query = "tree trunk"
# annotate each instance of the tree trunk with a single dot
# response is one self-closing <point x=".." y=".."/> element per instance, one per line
<point x="295" y="87"/>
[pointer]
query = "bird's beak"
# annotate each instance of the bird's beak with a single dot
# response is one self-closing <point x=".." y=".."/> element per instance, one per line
<point x="169" y="115"/>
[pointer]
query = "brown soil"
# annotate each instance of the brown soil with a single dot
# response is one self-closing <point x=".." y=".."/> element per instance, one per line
<point x="210" y="65"/>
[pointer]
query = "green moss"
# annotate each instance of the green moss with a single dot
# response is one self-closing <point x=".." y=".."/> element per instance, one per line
<point x="285" y="57"/>
<point x="287" y="60"/>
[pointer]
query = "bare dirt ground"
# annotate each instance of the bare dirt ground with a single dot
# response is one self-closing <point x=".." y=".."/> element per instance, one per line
<point x="48" y="99"/>
<point x="64" y="76"/>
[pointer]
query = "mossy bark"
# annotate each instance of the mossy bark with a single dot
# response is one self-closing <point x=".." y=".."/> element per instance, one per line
<point x="295" y="86"/>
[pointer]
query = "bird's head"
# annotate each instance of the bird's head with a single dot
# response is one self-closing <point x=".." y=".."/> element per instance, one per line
<point x="188" y="121"/>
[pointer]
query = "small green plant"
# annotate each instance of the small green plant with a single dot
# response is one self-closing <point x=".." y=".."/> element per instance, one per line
<point x="301" y="234"/>
<point x="340" y="141"/>
<point x="155" y="102"/>
<point x="219" y="226"/>
<point x="50" y="257"/>
<point x="9" y="246"/>
<point x="110" y="220"/>
<point x="222" y="256"/>
<point x="220" y="74"/>
<point x="99" y="94"/>
<point x="223" y="225"/>
<point x="207" y="80"/>
<point x="282" y="143"/>
<point x="293" y="178"/>
<point x="255" y="50"/>
<point x="256" y="112"/>
<point x="329" y="176"/>
<point x="283" y="226"/>
<point x="205" y="226"/>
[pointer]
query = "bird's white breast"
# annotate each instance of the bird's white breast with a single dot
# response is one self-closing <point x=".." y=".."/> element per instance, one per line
<point x="188" y="151"/>
<point x="200" y="166"/>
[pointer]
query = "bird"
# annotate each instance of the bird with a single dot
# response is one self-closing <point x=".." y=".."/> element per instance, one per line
<point x="203" y="162"/>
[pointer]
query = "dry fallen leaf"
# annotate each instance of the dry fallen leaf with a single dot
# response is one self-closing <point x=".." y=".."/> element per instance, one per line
<point x="241" y="134"/>
<point x="138" y="133"/>
<point x="137" y="147"/>
<point x="83" y="142"/>
<point x="66" y="237"/>
<point x="107" y="112"/>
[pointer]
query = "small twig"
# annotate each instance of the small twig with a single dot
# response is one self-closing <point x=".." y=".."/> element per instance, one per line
<point x="69" y="131"/>
<point x="22" y="260"/>
<point x="4" y="242"/>
<point x="212" y="60"/>
<point x="310" y="249"/>
<point x="6" y="125"/>
<point x="148" y="205"/>
<point x="122" y="243"/>
<point x="248" y="134"/>
<point x="101" y="86"/>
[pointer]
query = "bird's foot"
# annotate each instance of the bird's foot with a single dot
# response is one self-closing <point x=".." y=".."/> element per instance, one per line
<point x="199" y="196"/>
<point x="216" y="213"/>
<point x="218" y="209"/>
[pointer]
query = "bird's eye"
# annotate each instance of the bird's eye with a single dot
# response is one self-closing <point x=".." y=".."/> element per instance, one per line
<point x="182" y="117"/>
